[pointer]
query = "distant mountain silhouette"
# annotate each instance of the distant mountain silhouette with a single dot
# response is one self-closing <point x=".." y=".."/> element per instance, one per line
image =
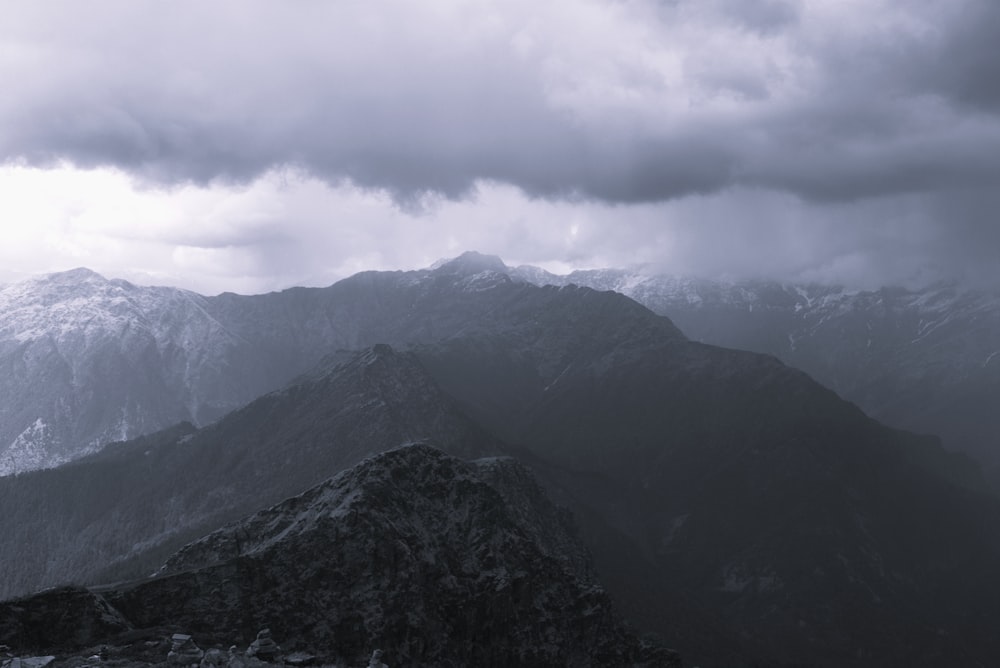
<point x="925" y="359"/>
<point x="89" y="361"/>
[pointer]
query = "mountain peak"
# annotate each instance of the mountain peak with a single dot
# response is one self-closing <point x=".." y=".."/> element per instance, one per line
<point x="412" y="549"/>
<point x="472" y="262"/>
<point x="73" y="276"/>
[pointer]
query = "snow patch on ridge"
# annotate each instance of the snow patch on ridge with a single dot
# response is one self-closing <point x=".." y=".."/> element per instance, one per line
<point x="29" y="450"/>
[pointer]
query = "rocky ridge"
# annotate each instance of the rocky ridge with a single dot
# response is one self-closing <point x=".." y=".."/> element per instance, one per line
<point x="412" y="551"/>
<point x="925" y="359"/>
<point x="87" y="361"/>
<point x="119" y="512"/>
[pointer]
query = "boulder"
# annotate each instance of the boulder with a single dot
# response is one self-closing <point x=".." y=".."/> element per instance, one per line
<point x="215" y="658"/>
<point x="300" y="659"/>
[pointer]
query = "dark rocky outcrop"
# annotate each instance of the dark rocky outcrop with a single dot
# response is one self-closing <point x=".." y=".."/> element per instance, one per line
<point x="65" y="617"/>
<point x="412" y="551"/>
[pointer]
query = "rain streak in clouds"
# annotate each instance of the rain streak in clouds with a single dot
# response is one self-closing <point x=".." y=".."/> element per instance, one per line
<point x="255" y="145"/>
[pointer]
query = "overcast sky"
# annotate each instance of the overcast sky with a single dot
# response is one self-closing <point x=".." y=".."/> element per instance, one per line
<point x="252" y="146"/>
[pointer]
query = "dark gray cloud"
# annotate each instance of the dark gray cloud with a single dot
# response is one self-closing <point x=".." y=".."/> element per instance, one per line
<point x="960" y="63"/>
<point x="416" y="112"/>
<point x="846" y="113"/>
<point x="764" y="16"/>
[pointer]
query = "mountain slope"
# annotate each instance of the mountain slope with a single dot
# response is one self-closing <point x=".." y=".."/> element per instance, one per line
<point x="411" y="551"/>
<point x="760" y="495"/>
<point x="130" y="499"/>
<point x="136" y="500"/>
<point x="925" y="360"/>
<point x="740" y="484"/>
<point x="88" y="361"/>
<point x="724" y="494"/>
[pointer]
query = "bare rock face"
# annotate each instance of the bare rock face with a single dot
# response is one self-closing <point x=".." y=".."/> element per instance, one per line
<point x="412" y="551"/>
<point x="433" y="560"/>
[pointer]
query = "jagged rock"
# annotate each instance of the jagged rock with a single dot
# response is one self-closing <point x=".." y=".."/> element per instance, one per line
<point x="411" y="549"/>
<point x="376" y="660"/>
<point x="27" y="662"/>
<point x="183" y="651"/>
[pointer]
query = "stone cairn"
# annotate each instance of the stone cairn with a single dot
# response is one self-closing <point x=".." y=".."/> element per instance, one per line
<point x="183" y="651"/>
<point x="236" y="659"/>
<point x="264" y="647"/>
<point x="376" y="660"/>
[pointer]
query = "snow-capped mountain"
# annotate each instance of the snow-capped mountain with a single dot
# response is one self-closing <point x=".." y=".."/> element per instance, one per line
<point x="926" y="360"/>
<point x="88" y="360"/>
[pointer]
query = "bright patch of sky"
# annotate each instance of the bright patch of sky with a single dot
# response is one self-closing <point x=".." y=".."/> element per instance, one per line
<point x="254" y="145"/>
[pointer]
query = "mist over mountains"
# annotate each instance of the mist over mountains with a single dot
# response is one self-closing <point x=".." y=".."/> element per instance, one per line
<point x="90" y="360"/>
<point x="926" y="360"/>
<point x="731" y="504"/>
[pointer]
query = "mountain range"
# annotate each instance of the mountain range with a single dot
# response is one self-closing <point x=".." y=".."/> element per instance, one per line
<point x="89" y="361"/>
<point x="926" y="359"/>
<point x="731" y="504"/>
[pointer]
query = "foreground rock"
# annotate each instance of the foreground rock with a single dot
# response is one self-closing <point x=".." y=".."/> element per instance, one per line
<point x="58" y="618"/>
<point x="413" y="552"/>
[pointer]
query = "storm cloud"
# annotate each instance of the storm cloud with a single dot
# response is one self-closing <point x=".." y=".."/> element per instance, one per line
<point x="824" y="134"/>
